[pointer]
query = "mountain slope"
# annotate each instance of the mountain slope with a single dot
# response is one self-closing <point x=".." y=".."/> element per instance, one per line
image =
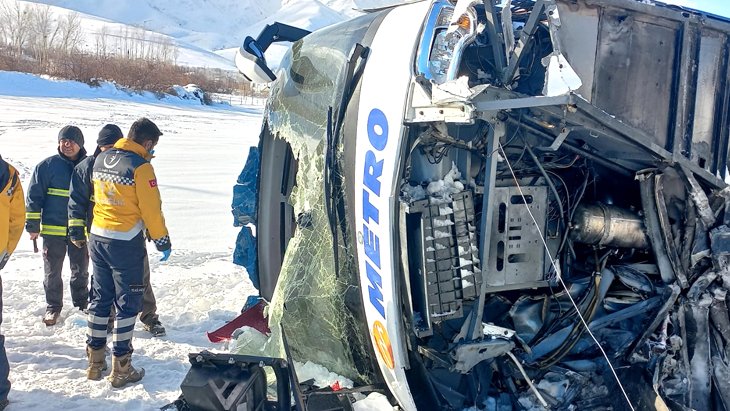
<point x="209" y="24"/>
<point x="208" y="32"/>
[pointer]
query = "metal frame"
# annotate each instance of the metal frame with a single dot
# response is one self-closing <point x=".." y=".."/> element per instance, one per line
<point x="577" y="112"/>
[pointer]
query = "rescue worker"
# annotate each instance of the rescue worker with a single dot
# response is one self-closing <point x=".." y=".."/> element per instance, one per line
<point x="80" y="213"/>
<point x="47" y="216"/>
<point x="127" y="202"/>
<point x="12" y="218"/>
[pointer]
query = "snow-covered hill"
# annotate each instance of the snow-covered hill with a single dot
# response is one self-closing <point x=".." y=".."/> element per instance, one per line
<point x="207" y="32"/>
<point x="209" y="24"/>
<point x="93" y="27"/>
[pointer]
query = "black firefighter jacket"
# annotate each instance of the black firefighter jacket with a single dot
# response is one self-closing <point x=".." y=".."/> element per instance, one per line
<point x="46" y="205"/>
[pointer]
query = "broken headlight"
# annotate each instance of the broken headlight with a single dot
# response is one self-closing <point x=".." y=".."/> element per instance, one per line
<point x="444" y="40"/>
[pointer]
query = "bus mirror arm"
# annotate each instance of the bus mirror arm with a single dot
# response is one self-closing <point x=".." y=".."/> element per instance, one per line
<point x="250" y="59"/>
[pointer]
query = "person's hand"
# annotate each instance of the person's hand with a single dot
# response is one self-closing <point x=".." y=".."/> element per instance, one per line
<point x="79" y="243"/>
<point x="33" y="236"/>
<point x="166" y="254"/>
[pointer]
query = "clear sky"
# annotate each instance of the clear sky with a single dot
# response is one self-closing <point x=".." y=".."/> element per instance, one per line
<point x="719" y="7"/>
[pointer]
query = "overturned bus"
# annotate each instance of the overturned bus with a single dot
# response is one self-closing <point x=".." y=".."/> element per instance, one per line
<point x="508" y="205"/>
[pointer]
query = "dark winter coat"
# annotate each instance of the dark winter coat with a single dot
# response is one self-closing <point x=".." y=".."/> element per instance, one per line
<point x="46" y="205"/>
<point x="81" y="199"/>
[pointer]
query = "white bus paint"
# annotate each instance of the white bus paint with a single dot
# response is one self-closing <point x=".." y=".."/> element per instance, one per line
<point x="383" y="95"/>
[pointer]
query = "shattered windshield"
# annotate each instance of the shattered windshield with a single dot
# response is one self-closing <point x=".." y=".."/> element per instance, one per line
<point x="309" y="300"/>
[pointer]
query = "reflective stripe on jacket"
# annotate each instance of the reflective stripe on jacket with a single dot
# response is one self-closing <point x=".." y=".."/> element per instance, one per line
<point x="126" y="196"/>
<point x="12" y="209"/>
<point x="47" y="200"/>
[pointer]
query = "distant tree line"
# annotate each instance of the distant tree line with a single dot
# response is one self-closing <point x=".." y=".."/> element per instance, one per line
<point x="35" y="40"/>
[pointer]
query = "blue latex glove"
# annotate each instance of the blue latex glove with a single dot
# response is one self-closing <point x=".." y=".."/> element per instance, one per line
<point x="166" y="254"/>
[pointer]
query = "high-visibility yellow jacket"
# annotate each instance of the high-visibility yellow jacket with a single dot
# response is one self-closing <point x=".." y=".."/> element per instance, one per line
<point x="12" y="209"/>
<point x="126" y="195"/>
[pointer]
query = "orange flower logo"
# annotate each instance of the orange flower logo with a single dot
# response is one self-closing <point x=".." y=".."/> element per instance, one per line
<point x="382" y="343"/>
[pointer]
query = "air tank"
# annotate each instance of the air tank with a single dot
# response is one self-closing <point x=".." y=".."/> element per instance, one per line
<point x="609" y="226"/>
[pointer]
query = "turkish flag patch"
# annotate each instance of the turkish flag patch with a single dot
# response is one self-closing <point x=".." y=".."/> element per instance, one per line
<point x="153" y="183"/>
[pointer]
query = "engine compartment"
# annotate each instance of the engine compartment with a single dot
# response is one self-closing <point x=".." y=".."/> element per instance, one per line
<point x="567" y="246"/>
<point x="567" y="250"/>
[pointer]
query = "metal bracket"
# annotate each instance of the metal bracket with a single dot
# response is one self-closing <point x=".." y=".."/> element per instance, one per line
<point x="495" y="331"/>
<point x="524" y="41"/>
<point x="495" y="37"/>
<point x="454" y="113"/>
<point x="469" y="355"/>
<point x="558" y="140"/>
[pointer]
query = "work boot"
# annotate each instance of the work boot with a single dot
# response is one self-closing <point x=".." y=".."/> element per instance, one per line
<point x="97" y="362"/>
<point x="123" y="373"/>
<point x="155" y="328"/>
<point x="82" y="306"/>
<point x="50" y="318"/>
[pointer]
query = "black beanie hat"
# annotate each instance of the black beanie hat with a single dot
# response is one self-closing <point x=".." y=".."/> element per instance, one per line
<point x="72" y="133"/>
<point x="109" y="134"/>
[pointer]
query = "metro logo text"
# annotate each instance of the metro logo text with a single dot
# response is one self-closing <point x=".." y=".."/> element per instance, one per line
<point x="372" y="172"/>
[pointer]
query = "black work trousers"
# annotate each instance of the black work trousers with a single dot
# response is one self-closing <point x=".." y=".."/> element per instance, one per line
<point x="54" y="252"/>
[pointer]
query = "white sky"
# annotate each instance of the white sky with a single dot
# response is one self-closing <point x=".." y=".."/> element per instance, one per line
<point x="719" y="7"/>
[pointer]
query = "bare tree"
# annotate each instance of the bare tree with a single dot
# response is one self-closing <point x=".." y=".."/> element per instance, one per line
<point x="167" y="50"/>
<point x="150" y="52"/>
<point x="15" y="26"/>
<point x="101" y="41"/>
<point x="5" y="29"/>
<point x="70" y="33"/>
<point x="125" y="42"/>
<point x="140" y="43"/>
<point x="43" y="32"/>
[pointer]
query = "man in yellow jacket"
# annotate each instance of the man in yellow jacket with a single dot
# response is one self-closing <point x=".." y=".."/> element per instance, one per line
<point x="12" y="220"/>
<point x="127" y="205"/>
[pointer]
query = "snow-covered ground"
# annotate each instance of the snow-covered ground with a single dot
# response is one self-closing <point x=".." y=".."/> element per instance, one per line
<point x="197" y="162"/>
